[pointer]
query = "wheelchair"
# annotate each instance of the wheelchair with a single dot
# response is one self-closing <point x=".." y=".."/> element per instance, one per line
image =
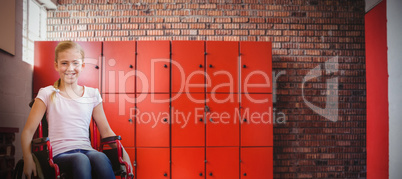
<point x="47" y="169"/>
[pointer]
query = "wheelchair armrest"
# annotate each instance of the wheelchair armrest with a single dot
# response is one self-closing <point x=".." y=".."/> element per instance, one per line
<point x="110" y="139"/>
<point x="40" y="141"/>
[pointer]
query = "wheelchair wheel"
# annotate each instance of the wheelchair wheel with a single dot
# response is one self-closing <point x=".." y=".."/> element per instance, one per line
<point x="19" y="170"/>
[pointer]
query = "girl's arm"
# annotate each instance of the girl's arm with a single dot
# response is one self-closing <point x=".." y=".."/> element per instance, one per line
<point x="34" y="118"/>
<point x="105" y="130"/>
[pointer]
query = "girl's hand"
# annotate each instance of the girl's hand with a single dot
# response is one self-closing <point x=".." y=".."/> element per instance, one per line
<point x="29" y="167"/>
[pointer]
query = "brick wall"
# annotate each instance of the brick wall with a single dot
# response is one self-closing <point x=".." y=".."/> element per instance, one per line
<point x="306" y="35"/>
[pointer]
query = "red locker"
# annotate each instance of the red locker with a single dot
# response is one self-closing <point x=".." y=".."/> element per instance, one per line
<point x="222" y="162"/>
<point x="256" y="163"/>
<point x="188" y="66"/>
<point x="45" y="74"/>
<point x="256" y="120"/>
<point x="153" y="66"/>
<point x="256" y="67"/>
<point x="222" y="67"/>
<point x="188" y="120"/>
<point x="120" y="112"/>
<point x="119" y="67"/>
<point x="188" y="163"/>
<point x="222" y="116"/>
<point x="152" y="117"/>
<point x="153" y="163"/>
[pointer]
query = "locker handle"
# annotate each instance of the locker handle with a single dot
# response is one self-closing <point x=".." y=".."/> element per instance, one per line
<point x="131" y="66"/>
<point x="210" y="66"/>
<point x="211" y="120"/>
<point x="165" y="174"/>
<point x="200" y="66"/>
<point x="210" y="174"/>
<point x="130" y="120"/>
<point x="165" y="120"/>
<point x="201" y="120"/>
<point x="97" y="67"/>
<point x="165" y="66"/>
<point x="245" y="174"/>
<point x="244" y="120"/>
<point x="200" y="174"/>
<point x="244" y="66"/>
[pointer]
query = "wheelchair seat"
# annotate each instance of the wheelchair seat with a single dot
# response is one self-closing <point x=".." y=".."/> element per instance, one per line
<point x="43" y="157"/>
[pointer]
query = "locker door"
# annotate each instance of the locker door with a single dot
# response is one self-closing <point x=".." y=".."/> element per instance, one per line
<point x="188" y="121"/>
<point x="91" y="74"/>
<point x="153" y="163"/>
<point x="188" y="66"/>
<point x="222" y="66"/>
<point x="119" y="111"/>
<point x="256" y="67"/>
<point x="256" y="120"/>
<point x="256" y="163"/>
<point x="152" y="116"/>
<point x="222" y="162"/>
<point x="222" y="120"/>
<point x="119" y="67"/>
<point x="188" y="163"/>
<point x="45" y="74"/>
<point x="153" y="65"/>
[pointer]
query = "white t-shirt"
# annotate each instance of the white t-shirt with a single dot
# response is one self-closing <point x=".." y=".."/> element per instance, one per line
<point x="69" y="119"/>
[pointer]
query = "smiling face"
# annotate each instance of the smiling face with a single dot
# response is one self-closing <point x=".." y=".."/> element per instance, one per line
<point x="69" y="64"/>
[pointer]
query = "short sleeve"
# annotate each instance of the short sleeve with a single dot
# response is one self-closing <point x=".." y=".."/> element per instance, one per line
<point x="97" y="97"/>
<point x="43" y="95"/>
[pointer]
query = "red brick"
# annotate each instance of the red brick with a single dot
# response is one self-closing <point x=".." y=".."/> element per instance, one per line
<point x="223" y="20"/>
<point x="206" y="32"/>
<point x="174" y="6"/>
<point x="179" y="26"/>
<point x="223" y="32"/>
<point x="172" y="32"/>
<point x="120" y="33"/>
<point x="112" y="26"/>
<point x="172" y="19"/>
<point x="231" y="38"/>
<point x="198" y="12"/>
<point x="129" y="26"/>
<point x="257" y="32"/>
<point x="248" y="26"/>
<point x="82" y="1"/>
<point x="240" y="19"/>
<point x="147" y="26"/>
<point x="103" y="20"/>
<point x="214" y="26"/>
<point x="181" y="12"/>
<point x="197" y="26"/>
<point x="214" y="13"/>
<point x="138" y="19"/>
<point x="231" y="26"/>
<point x="121" y="20"/>
<point x="290" y="33"/>
<point x="103" y="33"/>
<point x="163" y="26"/>
<point x="155" y="19"/>
<point x="205" y="19"/>
<point x="231" y="13"/>
<point x="188" y="19"/>
<point x="224" y="6"/>
<point x="137" y="32"/>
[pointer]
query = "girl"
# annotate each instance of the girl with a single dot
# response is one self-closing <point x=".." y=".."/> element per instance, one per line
<point x="69" y="108"/>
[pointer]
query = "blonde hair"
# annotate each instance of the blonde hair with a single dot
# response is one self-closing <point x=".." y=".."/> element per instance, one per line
<point x="61" y="47"/>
